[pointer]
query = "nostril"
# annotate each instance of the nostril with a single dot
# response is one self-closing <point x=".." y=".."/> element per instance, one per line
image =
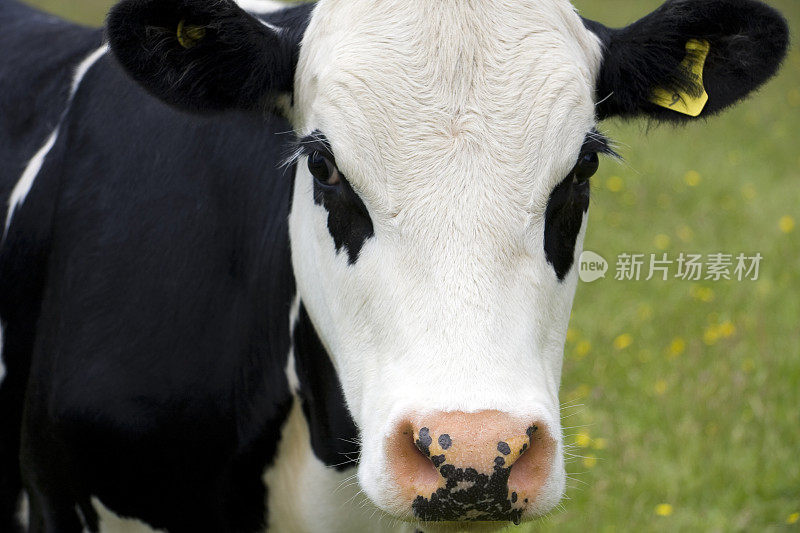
<point x="531" y="470"/>
<point x="410" y="460"/>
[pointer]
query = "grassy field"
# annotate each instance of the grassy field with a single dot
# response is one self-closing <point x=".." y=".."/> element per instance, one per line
<point x="684" y="397"/>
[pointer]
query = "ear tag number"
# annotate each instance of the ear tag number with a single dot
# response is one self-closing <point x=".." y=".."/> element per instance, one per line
<point x="189" y="35"/>
<point x="693" y="63"/>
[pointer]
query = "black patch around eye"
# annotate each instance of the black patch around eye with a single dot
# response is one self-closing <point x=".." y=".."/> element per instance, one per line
<point x="568" y="202"/>
<point x="348" y="219"/>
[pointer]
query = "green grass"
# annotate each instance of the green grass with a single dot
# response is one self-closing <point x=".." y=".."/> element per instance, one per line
<point x="712" y="430"/>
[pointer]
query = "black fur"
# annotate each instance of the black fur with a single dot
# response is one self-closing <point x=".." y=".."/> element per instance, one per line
<point x="32" y="101"/>
<point x="748" y="43"/>
<point x="156" y="381"/>
<point x="239" y="63"/>
<point x="348" y="219"/>
<point x="566" y="206"/>
<point x="568" y="202"/>
<point x="145" y="287"/>
<point x="334" y="437"/>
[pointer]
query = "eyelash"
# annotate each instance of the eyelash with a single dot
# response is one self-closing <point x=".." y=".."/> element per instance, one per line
<point x="301" y="147"/>
<point x="598" y="143"/>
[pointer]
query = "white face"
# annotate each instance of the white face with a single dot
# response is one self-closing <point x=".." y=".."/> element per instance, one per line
<point x="453" y="122"/>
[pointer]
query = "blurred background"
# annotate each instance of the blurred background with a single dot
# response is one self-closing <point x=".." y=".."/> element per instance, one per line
<point x="682" y="399"/>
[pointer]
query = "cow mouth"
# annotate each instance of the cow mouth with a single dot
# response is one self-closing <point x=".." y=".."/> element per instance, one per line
<point x="470" y="496"/>
<point x="467" y="527"/>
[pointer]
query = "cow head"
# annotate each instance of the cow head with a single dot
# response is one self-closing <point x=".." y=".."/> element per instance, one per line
<point x="444" y="154"/>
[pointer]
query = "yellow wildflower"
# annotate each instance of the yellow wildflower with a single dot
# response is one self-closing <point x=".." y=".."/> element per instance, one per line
<point x="663" y="509"/>
<point x="704" y="294"/>
<point x="615" y="184"/>
<point x="583" y="440"/>
<point x="727" y="329"/>
<point x="677" y="347"/>
<point x="662" y="241"/>
<point x="786" y="224"/>
<point x="711" y="335"/>
<point x="623" y="341"/>
<point x="692" y="178"/>
<point x="583" y="348"/>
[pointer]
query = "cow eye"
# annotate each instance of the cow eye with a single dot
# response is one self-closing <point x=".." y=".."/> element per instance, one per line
<point x="587" y="166"/>
<point x="323" y="170"/>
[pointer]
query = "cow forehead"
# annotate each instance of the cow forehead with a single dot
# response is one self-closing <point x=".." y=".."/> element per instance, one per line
<point x="410" y="89"/>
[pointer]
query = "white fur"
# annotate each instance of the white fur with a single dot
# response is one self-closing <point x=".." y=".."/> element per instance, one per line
<point x="305" y="496"/>
<point x="22" y="510"/>
<point x="291" y="373"/>
<point x="453" y="121"/>
<point x="25" y="183"/>
<point x="23" y="186"/>
<point x="260" y="7"/>
<point x="110" y="522"/>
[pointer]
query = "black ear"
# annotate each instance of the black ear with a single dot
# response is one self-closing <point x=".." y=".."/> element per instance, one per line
<point x="207" y="55"/>
<point x="736" y="44"/>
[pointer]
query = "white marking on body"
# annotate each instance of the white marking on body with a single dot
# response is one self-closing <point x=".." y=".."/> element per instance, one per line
<point x="262" y="7"/>
<point x="23" y="186"/>
<point x="291" y="372"/>
<point x="83" y="68"/>
<point x="22" y="510"/>
<point x="110" y="522"/>
<point x="305" y="496"/>
<point x="25" y="183"/>
<point x="82" y="518"/>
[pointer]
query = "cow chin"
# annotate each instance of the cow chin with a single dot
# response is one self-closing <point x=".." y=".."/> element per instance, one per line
<point x="454" y="527"/>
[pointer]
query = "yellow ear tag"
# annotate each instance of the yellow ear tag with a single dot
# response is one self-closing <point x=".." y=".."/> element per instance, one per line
<point x="682" y="102"/>
<point x="188" y="35"/>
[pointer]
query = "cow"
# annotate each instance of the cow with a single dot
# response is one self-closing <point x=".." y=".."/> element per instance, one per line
<point x="310" y="267"/>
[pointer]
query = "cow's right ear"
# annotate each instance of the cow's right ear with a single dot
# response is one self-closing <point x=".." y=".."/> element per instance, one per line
<point x="207" y="56"/>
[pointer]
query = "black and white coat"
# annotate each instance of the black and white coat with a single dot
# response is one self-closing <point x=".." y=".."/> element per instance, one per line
<point x="199" y="337"/>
